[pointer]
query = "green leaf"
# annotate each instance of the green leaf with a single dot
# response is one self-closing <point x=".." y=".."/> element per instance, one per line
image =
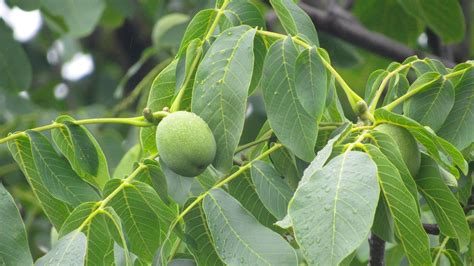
<point x="245" y="192"/>
<point x="431" y="107"/>
<point x="198" y="237"/>
<point x="373" y="83"/>
<point x="99" y="249"/>
<point x="459" y="124"/>
<point x="259" y="51"/>
<point x="14" y="249"/>
<point x="295" y="20"/>
<point x="126" y="164"/>
<point x="141" y="223"/>
<point x="444" y="17"/>
<point x="197" y="28"/>
<point x="383" y="221"/>
<point x="405" y="30"/>
<point x="168" y="30"/>
<point x="70" y="250"/>
<point x="444" y="205"/>
<point x="433" y="144"/>
<point x="285" y="163"/>
<point x="57" y="175"/>
<point x="244" y="13"/>
<point x="14" y="63"/>
<point x="452" y="255"/>
<point x="161" y="94"/>
<point x="397" y="87"/>
<point x="82" y="150"/>
<point x="235" y="232"/>
<point x="274" y="193"/>
<point x="403" y="208"/>
<point x="221" y="88"/>
<point x="333" y="211"/>
<point x="27" y="5"/>
<point x="179" y="187"/>
<point x="56" y="210"/>
<point x="157" y="178"/>
<point x="293" y="126"/>
<point x="80" y="19"/>
<point x="311" y="82"/>
<point x="185" y="68"/>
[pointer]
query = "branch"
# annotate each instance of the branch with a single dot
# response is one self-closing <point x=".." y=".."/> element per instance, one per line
<point x="333" y="23"/>
<point x="377" y="251"/>
<point x="431" y="229"/>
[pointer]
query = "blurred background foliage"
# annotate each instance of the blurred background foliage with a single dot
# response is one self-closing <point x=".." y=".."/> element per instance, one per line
<point x="97" y="58"/>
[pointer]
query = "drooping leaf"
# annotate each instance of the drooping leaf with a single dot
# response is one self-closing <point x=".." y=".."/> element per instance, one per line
<point x="431" y="107"/>
<point x="243" y="190"/>
<point x="56" y="210"/>
<point x="295" y="20"/>
<point x="82" y="150"/>
<point x="197" y="28"/>
<point x="199" y="239"/>
<point x="311" y="82"/>
<point x="56" y="173"/>
<point x="141" y="223"/>
<point x="332" y="212"/>
<point x="444" y="17"/>
<point x="274" y="193"/>
<point x="221" y="88"/>
<point x="403" y="208"/>
<point x="239" y="238"/>
<point x="293" y="126"/>
<point x="14" y="249"/>
<point x="161" y="94"/>
<point x="459" y="124"/>
<point x="80" y="19"/>
<point x="444" y="205"/>
<point x="70" y="250"/>
<point x="14" y="64"/>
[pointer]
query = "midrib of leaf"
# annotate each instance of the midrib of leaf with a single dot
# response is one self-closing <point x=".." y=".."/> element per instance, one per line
<point x="339" y="178"/>
<point x="54" y="174"/>
<point x="68" y="246"/>
<point x="233" y="230"/>
<point x="148" y="204"/>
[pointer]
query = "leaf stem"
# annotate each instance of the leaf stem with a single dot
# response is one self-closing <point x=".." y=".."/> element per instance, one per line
<point x="264" y="138"/>
<point x="441" y="248"/>
<point x="138" y="121"/>
<point x="406" y="96"/>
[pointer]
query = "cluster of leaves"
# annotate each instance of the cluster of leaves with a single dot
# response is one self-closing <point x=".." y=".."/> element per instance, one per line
<point x="309" y="189"/>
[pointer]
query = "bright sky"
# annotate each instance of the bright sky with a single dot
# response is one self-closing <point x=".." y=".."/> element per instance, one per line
<point x="25" y="26"/>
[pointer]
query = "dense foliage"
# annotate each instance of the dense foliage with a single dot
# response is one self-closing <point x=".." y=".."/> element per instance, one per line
<point x="324" y="176"/>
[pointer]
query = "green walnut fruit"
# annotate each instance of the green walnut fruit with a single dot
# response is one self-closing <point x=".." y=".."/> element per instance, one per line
<point x="406" y="144"/>
<point x="185" y="143"/>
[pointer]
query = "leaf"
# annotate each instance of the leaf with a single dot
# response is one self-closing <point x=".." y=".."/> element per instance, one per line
<point x="405" y="30"/>
<point x="220" y="94"/>
<point x="56" y="210"/>
<point x="14" y="63"/>
<point x="80" y="19"/>
<point x="198" y="238"/>
<point x="333" y="211"/>
<point x="311" y="82"/>
<point x="259" y="51"/>
<point x="271" y="189"/>
<point x="295" y="20"/>
<point x="82" y="150"/>
<point x="157" y="178"/>
<point x="57" y="175"/>
<point x="168" y="30"/>
<point x="126" y="164"/>
<point x="243" y="190"/>
<point x="444" y="17"/>
<point x="141" y="223"/>
<point x="444" y="205"/>
<point x="285" y="163"/>
<point x="293" y="126"/>
<point x="161" y="94"/>
<point x="459" y="124"/>
<point x="14" y="249"/>
<point x="179" y="187"/>
<point x="70" y="250"/>
<point x="239" y="238"/>
<point x="244" y="13"/>
<point x="197" y="28"/>
<point x="403" y="208"/>
<point x="373" y="83"/>
<point x="430" y="141"/>
<point x="431" y="107"/>
<point x="99" y="249"/>
<point x="27" y="5"/>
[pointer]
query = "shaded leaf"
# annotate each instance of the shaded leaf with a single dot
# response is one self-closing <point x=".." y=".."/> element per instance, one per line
<point x="197" y="28"/>
<point x="70" y="250"/>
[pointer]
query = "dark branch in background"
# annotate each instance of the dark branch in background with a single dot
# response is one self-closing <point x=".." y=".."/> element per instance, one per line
<point x="432" y="229"/>
<point x="338" y="22"/>
<point x="377" y="251"/>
